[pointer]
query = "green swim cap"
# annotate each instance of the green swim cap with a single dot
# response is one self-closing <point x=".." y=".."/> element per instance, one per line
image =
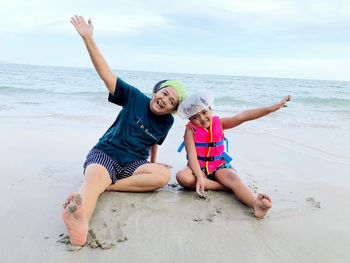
<point x="179" y="86"/>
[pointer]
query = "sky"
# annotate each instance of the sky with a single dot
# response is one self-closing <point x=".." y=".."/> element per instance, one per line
<point x="285" y="38"/>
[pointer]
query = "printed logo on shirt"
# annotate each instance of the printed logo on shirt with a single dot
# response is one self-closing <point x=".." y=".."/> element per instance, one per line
<point x="144" y="129"/>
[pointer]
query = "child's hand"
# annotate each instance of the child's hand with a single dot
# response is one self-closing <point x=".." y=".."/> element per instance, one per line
<point x="283" y="102"/>
<point x="200" y="186"/>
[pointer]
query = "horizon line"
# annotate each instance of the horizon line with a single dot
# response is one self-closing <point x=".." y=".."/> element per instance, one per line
<point x="187" y="73"/>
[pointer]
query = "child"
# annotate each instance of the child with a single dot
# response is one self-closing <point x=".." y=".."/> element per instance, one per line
<point x="118" y="162"/>
<point x="208" y="167"/>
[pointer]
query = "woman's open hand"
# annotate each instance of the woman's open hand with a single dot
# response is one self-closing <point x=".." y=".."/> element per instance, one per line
<point x="84" y="29"/>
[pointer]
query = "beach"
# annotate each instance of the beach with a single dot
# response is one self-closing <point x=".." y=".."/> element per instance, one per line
<point x="308" y="221"/>
<point x="304" y="168"/>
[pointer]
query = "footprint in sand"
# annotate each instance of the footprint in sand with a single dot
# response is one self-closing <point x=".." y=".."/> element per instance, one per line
<point x="198" y="219"/>
<point x="313" y="202"/>
<point x="105" y="233"/>
<point x="205" y="197"/>
<point x="211" y="217"/>
<point x="65" y="240"/>
<point x="102" y="237"/>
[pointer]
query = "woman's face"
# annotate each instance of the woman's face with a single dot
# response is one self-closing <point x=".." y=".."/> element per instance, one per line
<point x="202" y="118"/>
<point x="164" y="101"/>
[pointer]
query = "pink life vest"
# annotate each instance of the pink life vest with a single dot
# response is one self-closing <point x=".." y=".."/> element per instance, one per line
<point x="210" y="145"/>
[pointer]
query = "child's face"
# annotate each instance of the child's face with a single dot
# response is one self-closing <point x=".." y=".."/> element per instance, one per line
<point x="202" y="118"/>
<point x="164" y="101"/>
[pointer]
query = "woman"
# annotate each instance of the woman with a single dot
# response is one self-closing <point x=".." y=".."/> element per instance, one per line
<point x="118" y="162"/>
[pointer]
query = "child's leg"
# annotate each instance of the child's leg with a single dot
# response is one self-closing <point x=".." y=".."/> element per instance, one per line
<point x="187" y="179"/>
<point x="79" y="207"/>
<point x="261" y="203"/>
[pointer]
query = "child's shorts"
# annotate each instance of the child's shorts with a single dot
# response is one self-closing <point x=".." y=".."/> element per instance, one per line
<point x="211" y="176"/>
<point x="115" y="170"/>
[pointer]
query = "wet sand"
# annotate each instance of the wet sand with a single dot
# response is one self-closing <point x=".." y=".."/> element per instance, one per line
<point x="42" y="163"/>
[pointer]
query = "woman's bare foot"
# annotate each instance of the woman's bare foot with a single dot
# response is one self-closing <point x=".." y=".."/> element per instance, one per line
<point x="73" y="216"/>
<point x="262" y="204"/>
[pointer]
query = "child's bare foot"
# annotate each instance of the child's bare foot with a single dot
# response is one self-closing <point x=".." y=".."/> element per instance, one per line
<point x="73" y="216"/>
<point x="262" y="204"/>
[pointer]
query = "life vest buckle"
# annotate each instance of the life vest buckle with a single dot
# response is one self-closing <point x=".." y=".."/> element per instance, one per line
<point x="212" y="144"/>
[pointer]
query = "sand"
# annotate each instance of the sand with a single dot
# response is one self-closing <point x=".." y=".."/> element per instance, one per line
<point x="42" y="163"/>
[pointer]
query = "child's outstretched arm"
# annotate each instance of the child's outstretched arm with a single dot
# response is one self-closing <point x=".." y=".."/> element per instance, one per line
<point x="85" y="31"/>
<point x="193" y="161"/>
<point x="248" y="115"/>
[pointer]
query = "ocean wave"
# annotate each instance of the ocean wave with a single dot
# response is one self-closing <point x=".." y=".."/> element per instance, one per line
<point x="101" y="93"/>
<point x="30" y="103"/>
<point x="229" y="100"/>
<point x="11" y="90"/>
<point x="227" y="108"/>
<point x="42" y="91"/>
<point x="330" y="102"/>
<point x="4" y="107"/>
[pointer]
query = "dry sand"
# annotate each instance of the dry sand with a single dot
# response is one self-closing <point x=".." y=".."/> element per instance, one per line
<point x="41" y="164"/>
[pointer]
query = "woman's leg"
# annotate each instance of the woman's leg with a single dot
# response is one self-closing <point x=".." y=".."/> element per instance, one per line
<point x="80" y="207"/>
<point x="148" y="177"/>
<point x="261" y="203"/>
<point x="187" y="179"/>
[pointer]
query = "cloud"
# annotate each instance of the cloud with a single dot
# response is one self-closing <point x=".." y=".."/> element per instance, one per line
<point x="317" y="68"/>
<point x="228" y="36"/>
<point x="131" y="17"/>
<point x="53" y="16"/>
<point x="112" y="24"/>
<point x="267" y="16"/>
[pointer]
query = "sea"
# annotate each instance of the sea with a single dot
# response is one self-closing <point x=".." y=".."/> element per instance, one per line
<point x="317" y="117"/>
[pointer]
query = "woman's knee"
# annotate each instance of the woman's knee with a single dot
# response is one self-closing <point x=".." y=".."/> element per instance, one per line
<point x="159" y="174"/>
<point x="96" y="174"/>
<point x="163" y="176"/>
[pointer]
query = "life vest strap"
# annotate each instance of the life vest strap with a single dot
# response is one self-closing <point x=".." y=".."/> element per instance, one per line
<point x="205" y="144"/>
<point x="182" y="145"/>
<point x="223" y="156"/>
<point x="209" y="144"/>
<point x="209" y="158"/>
